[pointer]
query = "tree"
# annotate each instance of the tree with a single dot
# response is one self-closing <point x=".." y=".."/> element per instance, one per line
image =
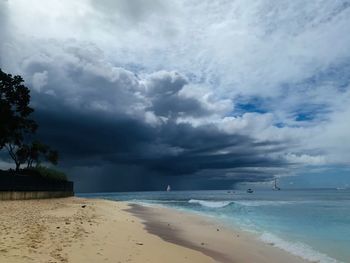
<point x="36" y="153"/>
<point x="15" y="122"/>
<point x="14" y="109"/>
<point x="16" y="126"/>
<point x="52" y="157"/>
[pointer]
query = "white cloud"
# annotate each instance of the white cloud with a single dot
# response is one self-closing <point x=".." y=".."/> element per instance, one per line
<point x="305" y="159"/>
<point x="197" y="56"/>
<point x="39" y="80"/>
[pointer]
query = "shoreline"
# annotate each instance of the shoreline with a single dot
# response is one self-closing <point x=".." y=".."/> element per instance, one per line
<point x="215" y="239"/>
<point x="97" y="230"/>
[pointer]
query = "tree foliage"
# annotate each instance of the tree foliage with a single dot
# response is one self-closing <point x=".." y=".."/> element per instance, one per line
<point x="16" y="127"/>
<point x="35" y="153"/>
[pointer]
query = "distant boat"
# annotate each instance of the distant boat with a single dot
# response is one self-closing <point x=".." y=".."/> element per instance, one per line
<point x="168" y="189"/>
<point x="250" y="191"/>
<point x="275" y="187"/>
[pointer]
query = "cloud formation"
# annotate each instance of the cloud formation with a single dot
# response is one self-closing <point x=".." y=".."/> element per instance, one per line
<point x="207" y="92"/>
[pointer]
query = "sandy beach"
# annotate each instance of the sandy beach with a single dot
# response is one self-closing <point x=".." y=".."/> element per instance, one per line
<point x="87" y="230"/>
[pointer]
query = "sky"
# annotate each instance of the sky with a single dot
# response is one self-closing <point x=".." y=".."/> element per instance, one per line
<point x="199" y="94"/>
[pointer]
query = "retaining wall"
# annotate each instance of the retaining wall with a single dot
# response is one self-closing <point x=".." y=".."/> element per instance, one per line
<point x="16" y="187"/>
<point x="12" y="195"/>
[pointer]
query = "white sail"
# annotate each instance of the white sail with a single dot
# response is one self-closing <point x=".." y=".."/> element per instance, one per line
<point x="275" y="187"/>
<point x="168" y="189"/>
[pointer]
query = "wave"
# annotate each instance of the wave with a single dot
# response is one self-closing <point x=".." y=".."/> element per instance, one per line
<point x="267" y="203"/>
<point x="219" y="204"/>
<point x="210" y="204"/>
<point x="156" y="201"/>
<point x="298" y="249"/>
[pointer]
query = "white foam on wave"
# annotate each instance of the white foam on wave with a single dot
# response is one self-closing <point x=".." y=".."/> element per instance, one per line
<point x="298" y="249"/>
<point x="146" y="204"/>
<point x="210" y="204"/>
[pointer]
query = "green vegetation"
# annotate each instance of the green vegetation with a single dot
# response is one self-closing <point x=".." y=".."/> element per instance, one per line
<point x="45" y="172"/>
<point x="18" y="130"/>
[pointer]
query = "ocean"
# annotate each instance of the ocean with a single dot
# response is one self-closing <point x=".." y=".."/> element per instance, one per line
<point x="313" y="224"/>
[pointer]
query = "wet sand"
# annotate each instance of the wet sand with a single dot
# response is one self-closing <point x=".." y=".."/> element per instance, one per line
<point x="220" y="242"/>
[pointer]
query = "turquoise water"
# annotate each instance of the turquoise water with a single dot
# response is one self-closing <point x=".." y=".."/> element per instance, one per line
<point x="313" y="224"/>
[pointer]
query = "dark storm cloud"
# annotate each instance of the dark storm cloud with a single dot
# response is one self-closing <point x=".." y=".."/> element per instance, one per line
<point x="89" y="136"/>
<point x="163" y="89"/>
<point x="114" y="138"/>
<point x="206" y="148"/>
<point x="124" y="145"/>
<point x="120" y="128"/>
<point x="91" y="84"/>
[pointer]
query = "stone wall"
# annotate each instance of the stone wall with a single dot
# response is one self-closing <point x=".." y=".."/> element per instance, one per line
<point x="23" y="195"/>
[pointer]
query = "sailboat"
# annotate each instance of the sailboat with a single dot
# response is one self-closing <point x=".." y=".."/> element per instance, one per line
<point x="275" y="187"/>
<point x="168" y="189"/>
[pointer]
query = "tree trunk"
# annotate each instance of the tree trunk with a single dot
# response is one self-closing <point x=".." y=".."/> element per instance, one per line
<point x="29" y="163"/>
<point x="18" y="165"/>
<point x="11" y="151"/>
